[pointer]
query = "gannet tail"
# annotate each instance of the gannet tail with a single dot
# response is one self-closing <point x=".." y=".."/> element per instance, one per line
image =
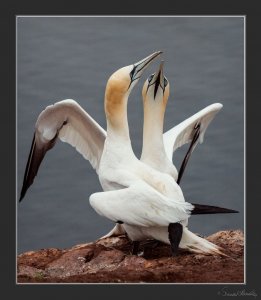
<point x="196" y="244"/>
<point x="116" y="231"/>
<point x="201" y="209"/>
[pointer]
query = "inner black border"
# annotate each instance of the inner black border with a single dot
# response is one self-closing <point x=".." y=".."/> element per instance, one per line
<point x="8" y="11"/>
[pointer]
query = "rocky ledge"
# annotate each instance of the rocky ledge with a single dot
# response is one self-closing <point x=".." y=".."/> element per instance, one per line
<point x="110" y="261"/>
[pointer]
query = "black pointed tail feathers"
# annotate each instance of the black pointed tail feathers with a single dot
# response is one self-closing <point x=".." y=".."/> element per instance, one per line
<point x="201" y="209"/>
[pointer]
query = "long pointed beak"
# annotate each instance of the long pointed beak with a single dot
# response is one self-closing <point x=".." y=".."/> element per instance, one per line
<point x="158" y="79"/>
<point x="141" y="65"/>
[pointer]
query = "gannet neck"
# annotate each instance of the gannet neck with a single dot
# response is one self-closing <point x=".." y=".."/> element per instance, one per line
<point x="118" y="139"/>
<point x="153" y="129"/>
<point x="155" y="95"/>
<point x="116" y="114"/>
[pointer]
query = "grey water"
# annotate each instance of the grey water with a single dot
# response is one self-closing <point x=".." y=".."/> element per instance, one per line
<point x="72" y="57"/>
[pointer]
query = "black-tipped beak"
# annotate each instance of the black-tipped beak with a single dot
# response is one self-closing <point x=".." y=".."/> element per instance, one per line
<point x="158" y="79"/>
<point x="140" y="66"/>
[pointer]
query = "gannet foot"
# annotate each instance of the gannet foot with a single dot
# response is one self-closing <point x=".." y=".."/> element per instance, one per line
<point x="135" y="247"/>
<point x="152" y="244"/>
<point x="175" y="234"/>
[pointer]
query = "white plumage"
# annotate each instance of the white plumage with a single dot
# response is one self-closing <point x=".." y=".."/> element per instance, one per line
<point x="145" y="199"/>
<point x="183" y="132"/>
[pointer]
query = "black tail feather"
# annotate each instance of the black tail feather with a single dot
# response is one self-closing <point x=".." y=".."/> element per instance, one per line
<point x="201" y="209"/>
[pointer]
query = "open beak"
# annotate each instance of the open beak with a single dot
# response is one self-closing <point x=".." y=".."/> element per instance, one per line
<point x="140" y="66"/>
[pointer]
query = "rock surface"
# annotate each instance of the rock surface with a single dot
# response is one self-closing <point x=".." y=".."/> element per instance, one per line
<point x="109" y="261"/>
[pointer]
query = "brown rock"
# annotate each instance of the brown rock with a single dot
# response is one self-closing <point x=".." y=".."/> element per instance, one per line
<point x="110" y="260"/>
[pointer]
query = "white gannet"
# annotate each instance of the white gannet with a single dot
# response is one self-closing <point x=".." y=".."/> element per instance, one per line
<point x="69" y="122"/>
<point x="158" y="148"/>
<point x="148" y="203"/>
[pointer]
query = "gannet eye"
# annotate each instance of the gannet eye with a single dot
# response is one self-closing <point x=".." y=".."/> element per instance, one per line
<point x="165" y="82"/>
<point x="150" y="78"/>
<point x="132" y="73"/>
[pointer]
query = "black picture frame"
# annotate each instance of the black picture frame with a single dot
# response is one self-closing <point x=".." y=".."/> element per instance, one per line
<point x="9" y="11"/>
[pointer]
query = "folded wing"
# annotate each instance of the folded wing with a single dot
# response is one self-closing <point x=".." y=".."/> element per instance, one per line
<point x="140" y="205"/>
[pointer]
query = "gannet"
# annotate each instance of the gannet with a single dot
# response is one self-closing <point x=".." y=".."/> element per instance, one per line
<point x="148" y="203"/>
<point x="158" y="148"/>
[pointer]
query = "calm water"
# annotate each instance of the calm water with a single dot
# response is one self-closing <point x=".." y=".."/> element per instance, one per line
<point x="61" y="58"/>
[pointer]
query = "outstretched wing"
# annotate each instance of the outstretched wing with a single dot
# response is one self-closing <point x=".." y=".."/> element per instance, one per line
<point x="140" y="205"/>
<point x="72" y="124"/>
<point x="184" y="132"/>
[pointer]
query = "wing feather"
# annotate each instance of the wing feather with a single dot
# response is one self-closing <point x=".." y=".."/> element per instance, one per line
<point x="72" y="124"/>
<point x="140" y="205"/>
<point x="183" y="132"/>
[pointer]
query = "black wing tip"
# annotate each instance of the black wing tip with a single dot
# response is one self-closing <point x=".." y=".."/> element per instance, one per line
<point x="24" y="190"/>
<point x="22" y="195"/>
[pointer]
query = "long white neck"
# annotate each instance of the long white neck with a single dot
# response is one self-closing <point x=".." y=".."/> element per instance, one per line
<point x="118" y="137"/>
<point x="153" y="147"/>
<point x="117" y="120"/>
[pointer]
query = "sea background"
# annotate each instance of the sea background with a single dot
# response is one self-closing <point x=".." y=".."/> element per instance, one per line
<point x="72" y="57"/>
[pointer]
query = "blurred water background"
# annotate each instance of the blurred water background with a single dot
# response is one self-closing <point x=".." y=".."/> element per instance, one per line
<point x="73" y="57"/>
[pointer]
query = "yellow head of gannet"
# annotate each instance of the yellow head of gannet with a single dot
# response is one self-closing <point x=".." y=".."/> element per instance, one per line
<point x="119" y="86"/>
<point x="156" y="87"/>
<point x="155" y="94"/>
